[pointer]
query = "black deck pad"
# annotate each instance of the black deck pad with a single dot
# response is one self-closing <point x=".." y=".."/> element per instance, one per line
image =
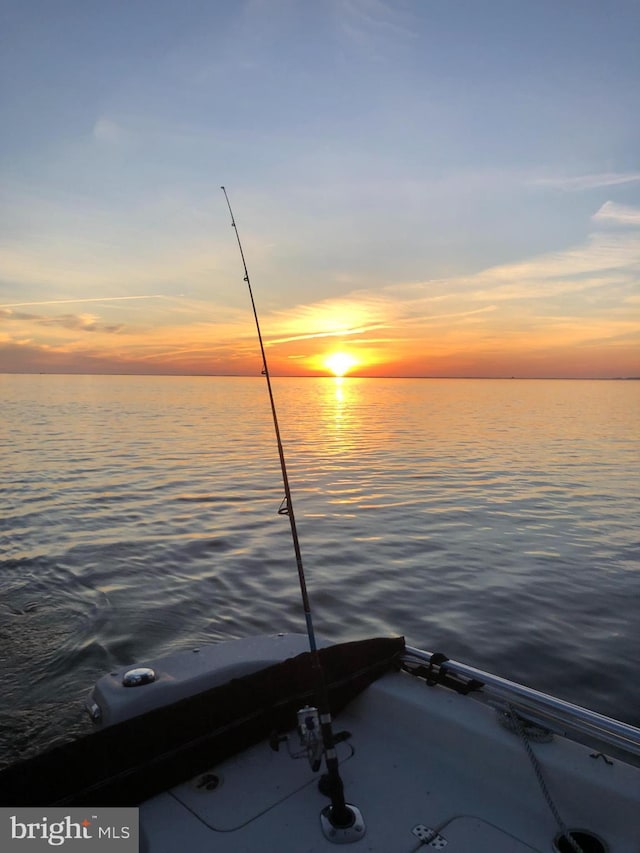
<point x="131" y="761"/>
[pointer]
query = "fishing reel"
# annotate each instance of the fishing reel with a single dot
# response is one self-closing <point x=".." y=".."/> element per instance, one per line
<point x="309" y="736"/>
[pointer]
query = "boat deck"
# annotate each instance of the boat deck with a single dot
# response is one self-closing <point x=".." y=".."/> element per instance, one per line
<point x="417" y="755"/>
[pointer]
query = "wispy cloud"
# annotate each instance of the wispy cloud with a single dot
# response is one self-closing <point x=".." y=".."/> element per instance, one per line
<point x="78" y="300"/>
<point x="618" y="213"/>
<point x="588" y="182"/>
<point x="348" y="316"/>
<point x="373" y="25"/>
<point x="73" y="322"/>
<point x="599" y="253"/>
<point x="573" y="296"/>
<point x="341" y="333"/>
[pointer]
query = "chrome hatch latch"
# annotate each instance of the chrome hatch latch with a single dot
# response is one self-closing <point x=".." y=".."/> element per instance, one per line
<point x="429" y="836"/>
<point x="94" y="710"/>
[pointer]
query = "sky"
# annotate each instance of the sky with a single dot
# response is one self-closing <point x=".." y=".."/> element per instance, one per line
<point x="422" y="188"/>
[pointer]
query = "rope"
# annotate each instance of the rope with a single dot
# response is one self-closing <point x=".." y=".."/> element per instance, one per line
<point x="517" y="722"/>
<point x="533" y="732"/>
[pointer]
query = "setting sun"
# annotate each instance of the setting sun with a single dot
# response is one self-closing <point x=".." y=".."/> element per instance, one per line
<point x="339" y="363"/>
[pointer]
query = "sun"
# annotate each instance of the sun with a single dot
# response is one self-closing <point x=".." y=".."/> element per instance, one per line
<point x="339" y="363"/>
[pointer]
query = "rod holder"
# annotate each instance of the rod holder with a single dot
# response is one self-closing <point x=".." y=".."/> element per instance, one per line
<point x="340" y="834"/>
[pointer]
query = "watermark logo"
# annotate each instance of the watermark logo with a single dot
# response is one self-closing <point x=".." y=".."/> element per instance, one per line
<point x="82" y="830"/>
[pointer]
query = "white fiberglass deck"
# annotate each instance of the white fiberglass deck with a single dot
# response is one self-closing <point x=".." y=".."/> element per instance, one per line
<point x="417" y="755"/>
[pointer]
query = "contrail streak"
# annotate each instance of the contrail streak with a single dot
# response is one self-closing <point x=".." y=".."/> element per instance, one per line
<point x="82" y="299"/>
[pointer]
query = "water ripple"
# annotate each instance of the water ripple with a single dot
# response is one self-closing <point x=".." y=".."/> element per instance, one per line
<point x="495" y="521"/>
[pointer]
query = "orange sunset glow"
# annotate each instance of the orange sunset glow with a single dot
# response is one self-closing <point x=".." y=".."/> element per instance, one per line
<point x="400" y="214"/>
<point x="568" y="313"/>
<point x="483" y="325"/>
<point x="340" y="363"/>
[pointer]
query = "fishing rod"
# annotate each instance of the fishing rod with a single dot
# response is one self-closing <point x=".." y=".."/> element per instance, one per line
<point x="341" y="822"/>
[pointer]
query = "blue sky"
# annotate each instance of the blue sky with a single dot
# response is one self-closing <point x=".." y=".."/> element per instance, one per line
<point x="439" y="187"/>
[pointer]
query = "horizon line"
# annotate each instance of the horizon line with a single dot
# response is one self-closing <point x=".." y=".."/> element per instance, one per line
<point x="313" y="376"/>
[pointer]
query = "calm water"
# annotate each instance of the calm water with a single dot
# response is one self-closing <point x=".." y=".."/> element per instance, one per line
<point x="493" y="520"/>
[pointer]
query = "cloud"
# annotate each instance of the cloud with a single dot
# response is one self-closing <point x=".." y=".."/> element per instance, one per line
<point x="79" y="299"/>
<point x="77" y="322"/>
<point x="588" y="182"/>
<point x="580" y="294"/>
<point x="109" y="132"/>
<point x="66" y="268"/>
<point x="557" y="272"/>
<point x="82" y="322"/>
<point x="596" y="275"/>
<point x="339" y="333"/>
<point x="199" y="348"/>
<point x="564" y="299"/>
<point x="374" y="25"/>
<point x="355" y="314"/>
<point x="618" y="213"/>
